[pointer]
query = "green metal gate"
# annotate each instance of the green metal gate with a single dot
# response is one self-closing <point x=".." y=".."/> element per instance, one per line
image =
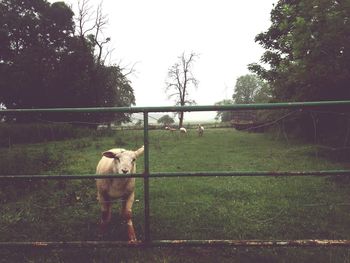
<point x="146" y="175"/>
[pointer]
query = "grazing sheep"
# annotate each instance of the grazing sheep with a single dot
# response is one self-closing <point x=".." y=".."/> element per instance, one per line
<point x="183" y="130"/>
<point x="170" y="129"/>
<point x="200" y="130"/>
<point x="117" y="161"/>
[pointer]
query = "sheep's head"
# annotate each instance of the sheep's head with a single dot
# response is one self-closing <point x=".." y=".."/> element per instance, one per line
<point x="124" y="160"/>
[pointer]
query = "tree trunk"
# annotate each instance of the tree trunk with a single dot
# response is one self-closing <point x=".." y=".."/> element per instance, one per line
<point x="181" y="119"/>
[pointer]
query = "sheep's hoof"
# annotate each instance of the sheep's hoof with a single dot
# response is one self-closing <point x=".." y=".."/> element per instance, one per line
<point x="133" y="241"/>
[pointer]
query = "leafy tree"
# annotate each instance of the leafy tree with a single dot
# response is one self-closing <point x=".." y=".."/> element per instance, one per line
<point x="166" y="120"/>
<point x="43" y="64"/>
<point x="307" y="58"/>
<point x="250" y="89"/>
<point x="180" y="80"/>
<point x="224" y="116"/>
<point x="307" y="50"/>
<point x="33" y="39"/>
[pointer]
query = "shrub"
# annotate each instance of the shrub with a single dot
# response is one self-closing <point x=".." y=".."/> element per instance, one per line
<point x="22" y="162"/>
<point x="37" y="132"/>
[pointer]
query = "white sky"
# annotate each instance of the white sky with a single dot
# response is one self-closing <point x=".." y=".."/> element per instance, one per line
<point x="154" y="33"/>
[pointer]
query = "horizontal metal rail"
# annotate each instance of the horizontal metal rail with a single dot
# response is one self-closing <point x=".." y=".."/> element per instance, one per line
<point x="255" y="106"/>
<point x="184" y="174"/>
<point x="180" y="243"/>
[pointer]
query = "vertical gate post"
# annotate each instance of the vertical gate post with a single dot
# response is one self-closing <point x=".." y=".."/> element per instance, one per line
<point x="146" y="177"/>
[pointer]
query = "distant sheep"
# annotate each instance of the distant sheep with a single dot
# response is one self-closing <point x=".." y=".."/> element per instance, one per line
<point x="183" y="130"/>
<point x="170" y="129"/>
<point x="117" y="161"/>
<point x="200" y="130"/>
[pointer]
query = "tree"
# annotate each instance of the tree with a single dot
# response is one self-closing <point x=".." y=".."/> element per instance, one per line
<point x="307" y="58"/>
<point x="43" y="64"/>
<point x="307" y="50"/>
<point x="33" y="38"/>
<point x="224" y="116"/>
<point x="250" y="89"/>
<point x="91" y="25"/>
<point x="166" y="120"/>
<point x="180" y="80"/>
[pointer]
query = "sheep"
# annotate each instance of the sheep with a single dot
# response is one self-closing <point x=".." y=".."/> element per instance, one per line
<point x="183" y="130"/>
<point x="170" y="129"/>
<point x="200" y="130"/>
<point x="117" y="161"/>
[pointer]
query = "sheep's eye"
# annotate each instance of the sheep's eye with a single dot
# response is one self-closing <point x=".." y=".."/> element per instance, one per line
<point x="116" y="158"/>
<point x="133" y="160"/>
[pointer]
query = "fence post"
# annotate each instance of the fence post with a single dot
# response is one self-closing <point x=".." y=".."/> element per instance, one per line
<point x="146" y="178"/>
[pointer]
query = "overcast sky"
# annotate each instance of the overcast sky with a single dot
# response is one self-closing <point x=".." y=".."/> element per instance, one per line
<point x="154" y="33"/>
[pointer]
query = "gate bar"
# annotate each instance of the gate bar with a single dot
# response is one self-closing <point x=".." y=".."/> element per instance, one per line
<point x="180" y="243"/>
<point x="146" y="176"/>
<point x="182" y="174"/>
<point x="256" y="106"/>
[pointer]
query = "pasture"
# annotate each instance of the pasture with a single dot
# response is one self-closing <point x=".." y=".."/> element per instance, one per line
<point x="181" y="208"/>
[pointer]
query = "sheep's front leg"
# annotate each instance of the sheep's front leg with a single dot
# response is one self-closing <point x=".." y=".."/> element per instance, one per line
<point x="127" y="216"/>
<point x="106" y="212"/>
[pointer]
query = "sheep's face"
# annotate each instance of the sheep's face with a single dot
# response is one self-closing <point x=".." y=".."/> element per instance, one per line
<point x="124" y="160"/>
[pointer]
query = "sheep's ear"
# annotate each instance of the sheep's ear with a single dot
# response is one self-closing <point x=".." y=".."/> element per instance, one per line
<point x="109" y="154"/>
<point x="139" y="151"/>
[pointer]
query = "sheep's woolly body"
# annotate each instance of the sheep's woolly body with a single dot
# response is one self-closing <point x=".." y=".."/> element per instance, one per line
<point x="200" y="130"/>
<point x="117" y="161"/>
<point x="115" y="188"/>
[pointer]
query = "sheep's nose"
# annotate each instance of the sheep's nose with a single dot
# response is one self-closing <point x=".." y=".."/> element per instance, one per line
<point x="125" y="171"/>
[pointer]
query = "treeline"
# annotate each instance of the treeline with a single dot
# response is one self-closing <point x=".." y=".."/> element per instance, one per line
<point x="307" y="58"/>
<point x="45" y="63"/>
<point x="307" y="51"/>
<point x="17" y="133"/>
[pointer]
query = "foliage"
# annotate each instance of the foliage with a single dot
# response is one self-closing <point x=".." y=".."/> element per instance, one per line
<point x="18" y="133"/>
<point x="224" y="116"/>
<point x="166" y="120"/>
<point x="307" y="50"/>
<point x="180" y="80"/>
<point x="251" y="89"/>
<point x="248" y="89"/>
<point x="308" y="59"/>
<point x="43" y="64"/>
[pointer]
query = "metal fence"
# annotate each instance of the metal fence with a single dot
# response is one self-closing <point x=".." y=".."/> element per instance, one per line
<point x="146" y="175"/>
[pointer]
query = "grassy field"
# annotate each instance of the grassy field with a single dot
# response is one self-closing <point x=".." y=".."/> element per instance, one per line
<point x="181" y="208"/>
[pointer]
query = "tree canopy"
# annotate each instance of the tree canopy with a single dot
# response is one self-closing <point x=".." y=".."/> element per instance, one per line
<point x="307" y="58"/>
<point x="307" y="50"/>
<point x="166" y="120"/>
<point x="44" y="64"/>
<point x="224" y="116"/>
<point x="251" y="89"/>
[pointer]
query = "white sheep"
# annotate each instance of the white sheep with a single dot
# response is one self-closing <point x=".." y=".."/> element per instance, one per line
<point x="117" y="161"/>
<point x="183" y="130"/>
<point x="200" y="130"/>
<point x="170" y="129"/>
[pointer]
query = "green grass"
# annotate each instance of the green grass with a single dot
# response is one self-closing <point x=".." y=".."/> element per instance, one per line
<point x="181" y="208"/>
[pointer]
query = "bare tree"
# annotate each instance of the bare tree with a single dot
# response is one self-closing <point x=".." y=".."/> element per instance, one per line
<point x="91" y="24"/>
<point x="180" y="80"/>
